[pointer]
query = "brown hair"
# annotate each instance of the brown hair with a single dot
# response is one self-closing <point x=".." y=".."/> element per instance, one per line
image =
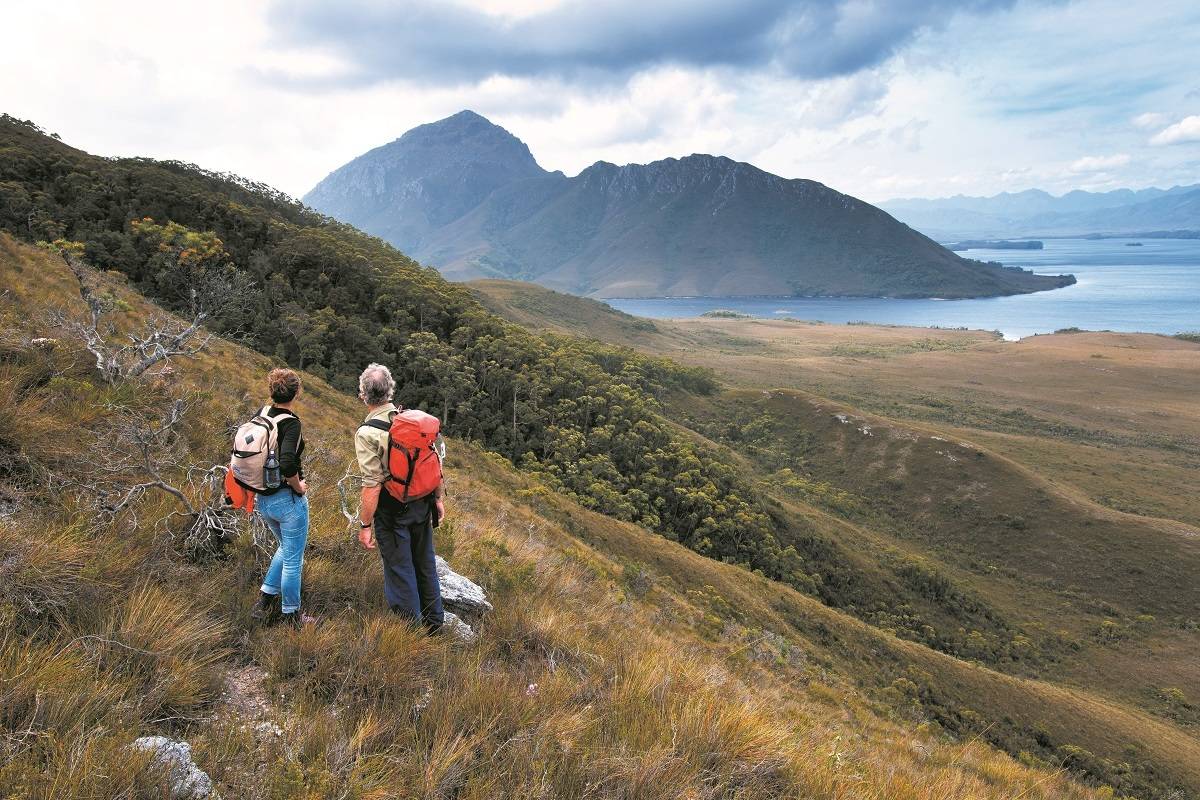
<point x="284" y="384"/>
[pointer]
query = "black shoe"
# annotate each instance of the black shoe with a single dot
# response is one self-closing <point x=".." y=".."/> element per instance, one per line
<point x="266" y="607"/>
<point x="297" y="619"/>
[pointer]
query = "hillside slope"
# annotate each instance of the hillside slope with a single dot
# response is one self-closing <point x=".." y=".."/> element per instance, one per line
<point x="700" y="225"/>
<point x="594" y="677"/>
<point x="537" y="308"/>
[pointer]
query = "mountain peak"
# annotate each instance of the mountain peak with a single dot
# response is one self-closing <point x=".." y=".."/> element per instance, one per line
<point x="465" y="121"/>
<point x="428" y="177"/>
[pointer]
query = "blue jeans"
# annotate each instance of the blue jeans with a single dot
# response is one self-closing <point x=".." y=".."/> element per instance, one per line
<point x="404" y="536"/>
<point x="286" y="514"/>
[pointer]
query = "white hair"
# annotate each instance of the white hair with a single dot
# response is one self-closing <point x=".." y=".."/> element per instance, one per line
<point x="376" y="385"/>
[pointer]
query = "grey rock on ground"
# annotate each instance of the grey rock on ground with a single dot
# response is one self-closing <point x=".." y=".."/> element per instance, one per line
<point x="188" y="782"/>
<point x="461" y="594"/>
<point x="453" y="625"/>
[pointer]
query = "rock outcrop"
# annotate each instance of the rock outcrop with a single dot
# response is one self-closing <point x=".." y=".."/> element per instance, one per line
<point x="464" y="600"/>
<point x="187" y="781"/>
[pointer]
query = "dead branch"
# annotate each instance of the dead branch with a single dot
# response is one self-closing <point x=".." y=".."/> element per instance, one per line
<point x="162" y="339"/>
<point x="139" y="455"/>
<point x="349" y="482"/>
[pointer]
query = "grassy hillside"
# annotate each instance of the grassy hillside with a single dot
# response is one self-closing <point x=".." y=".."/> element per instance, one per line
<point x="990" y="516"/>
<point x="583" y="416"/>
<point x="540" y="309"/>
<point x="616" y="664"/>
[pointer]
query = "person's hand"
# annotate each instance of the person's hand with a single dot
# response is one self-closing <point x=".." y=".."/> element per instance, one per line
<point x="441" y="509"/>
<point x="366" y="537"/>
<point x="303" y="487"/>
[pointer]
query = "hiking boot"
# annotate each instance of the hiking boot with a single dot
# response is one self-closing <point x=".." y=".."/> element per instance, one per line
<point x="266" y="608"/>
<point x="297" y="619"/>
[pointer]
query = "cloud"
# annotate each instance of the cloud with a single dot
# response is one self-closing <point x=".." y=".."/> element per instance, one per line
<point x="1186" y="130"/>
<point x="1098" y="163"/>
<point x="1151" y="119"/>
<point x="908" y="135"/>
<point x="443" y="42"/>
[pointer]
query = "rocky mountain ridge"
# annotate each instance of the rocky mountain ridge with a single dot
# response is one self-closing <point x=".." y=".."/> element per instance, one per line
<point x="467" y="197"/>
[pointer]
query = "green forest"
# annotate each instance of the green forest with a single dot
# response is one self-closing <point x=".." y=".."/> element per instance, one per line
<point x="324" y="297"/>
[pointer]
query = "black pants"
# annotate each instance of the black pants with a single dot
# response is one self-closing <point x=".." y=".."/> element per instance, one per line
<point x="404" y="537"/>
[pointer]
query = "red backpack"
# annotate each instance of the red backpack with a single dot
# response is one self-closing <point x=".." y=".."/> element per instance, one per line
<point x="414" y="460"/>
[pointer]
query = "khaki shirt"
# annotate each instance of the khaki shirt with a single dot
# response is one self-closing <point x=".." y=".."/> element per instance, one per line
<point x="371" y="447"/>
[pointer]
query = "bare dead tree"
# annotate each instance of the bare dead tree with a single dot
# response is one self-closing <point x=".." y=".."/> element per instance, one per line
<point x="152" y="447"/>
<point x="161" y="339"/>
<point x="139" y="455"/>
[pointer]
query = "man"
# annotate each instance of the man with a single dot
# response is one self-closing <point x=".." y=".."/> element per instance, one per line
<point x="403" y="532"/>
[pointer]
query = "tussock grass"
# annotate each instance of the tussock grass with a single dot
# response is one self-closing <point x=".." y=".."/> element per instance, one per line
<point x="168" y="649"/>
<point x="53" y="688"/>
<point x="381" y="659"/>
<point x="46" y="579"/>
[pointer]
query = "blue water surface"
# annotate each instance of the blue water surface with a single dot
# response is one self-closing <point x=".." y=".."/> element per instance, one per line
<point x="1154" y="288"/>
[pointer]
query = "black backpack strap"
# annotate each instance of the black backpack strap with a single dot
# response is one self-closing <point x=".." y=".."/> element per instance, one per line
<point x="412" y="467"/>
<point x="378" y="425"/>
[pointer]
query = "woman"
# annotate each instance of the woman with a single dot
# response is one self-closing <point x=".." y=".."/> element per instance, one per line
<point x="285" y="508"/>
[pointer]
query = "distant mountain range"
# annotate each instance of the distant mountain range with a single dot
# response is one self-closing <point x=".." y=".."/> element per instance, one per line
<point x="1037" y="213"/>
<point x="466" y="196"/>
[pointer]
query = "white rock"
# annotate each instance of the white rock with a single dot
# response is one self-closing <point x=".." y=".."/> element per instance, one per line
<point x="268" y="728"/>
<point x="454" y="626"/>
<point x="188" y="781"/>
<point x="461" y="594"/>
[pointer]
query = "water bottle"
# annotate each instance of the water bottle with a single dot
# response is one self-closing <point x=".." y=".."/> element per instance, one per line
<point x="271" y="478"/>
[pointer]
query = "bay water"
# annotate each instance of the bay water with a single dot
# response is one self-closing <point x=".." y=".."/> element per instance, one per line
<point x="1153" y="287"/>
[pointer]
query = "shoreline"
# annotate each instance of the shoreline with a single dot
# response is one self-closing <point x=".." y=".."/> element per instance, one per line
<point x="1184" y="335"/>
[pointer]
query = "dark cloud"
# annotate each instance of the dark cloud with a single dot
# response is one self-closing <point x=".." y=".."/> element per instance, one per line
<point x="442" y="42"/>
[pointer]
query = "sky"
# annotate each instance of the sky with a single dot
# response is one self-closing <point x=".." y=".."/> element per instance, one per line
<point x="876" y="98"/>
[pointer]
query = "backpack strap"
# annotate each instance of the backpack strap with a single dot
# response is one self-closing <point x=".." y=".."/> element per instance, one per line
<point x="263" y="421"/>
<point x="278" y="418"/>
<point x="386" y="427"/>
<point x="411" y="457"/>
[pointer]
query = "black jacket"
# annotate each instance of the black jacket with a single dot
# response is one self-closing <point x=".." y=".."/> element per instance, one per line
<point x="291" y="446"/>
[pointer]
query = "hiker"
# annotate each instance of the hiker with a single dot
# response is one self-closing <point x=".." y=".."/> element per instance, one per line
<point x="279" y="495"/>
<point x="398" y="512"/>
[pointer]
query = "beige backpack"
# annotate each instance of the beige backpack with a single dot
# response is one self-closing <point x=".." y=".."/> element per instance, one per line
<point x="254" y="460"/>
